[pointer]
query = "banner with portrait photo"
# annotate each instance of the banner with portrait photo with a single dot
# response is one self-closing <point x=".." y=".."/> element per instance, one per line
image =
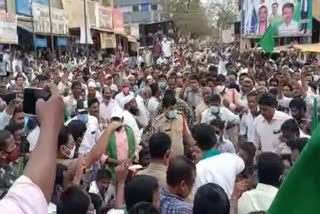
<point x="288" y="18"/>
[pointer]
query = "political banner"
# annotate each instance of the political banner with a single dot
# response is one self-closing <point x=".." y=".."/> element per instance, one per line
<point x="8" y="28"/>
<point x="117" y="18"/>
<point x="287" y="17"/>
<point x="24" y="7"/>
<point x="104" y="17"/>
<point x="59" y="20"/>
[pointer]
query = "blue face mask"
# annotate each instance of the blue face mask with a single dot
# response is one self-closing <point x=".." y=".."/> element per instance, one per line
<point x="172" y="114"/>
<point x="163" y="85"/>
<point x="98" y="84"/>
<point x="83" y="117"/>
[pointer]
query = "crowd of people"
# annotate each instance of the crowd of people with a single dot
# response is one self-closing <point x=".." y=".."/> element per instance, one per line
<point x="179" y="129"/>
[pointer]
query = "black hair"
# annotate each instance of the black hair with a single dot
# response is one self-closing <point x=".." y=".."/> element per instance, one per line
<point x="298" y="144"/>
<point x="59" y="175"/>
<point x="159" y="144"/>
<point x="205" y="136"/>
<point x="268" y="99"/>
<point x="221" y="78"/>
<point x="143" y="208"/>
<point x="243" y="74"/>
<point x="194" y="77"/>
<point x="12" y="127"/>
<point x="214" y="97"/>
<point x="213" y="68"/>
<point x="211" y="197"/>
<point x="252" y="93"/>
<point x="32" y="122"/>
<point x="63" y="136"/>
<point x="288" y="5"/>
<point x="270" y="168"/>
<point x="92" y="101"/>
<point x="250" y="149"/>
<point x="298" y="103"/>
<point x="154" y="89"/>
<point x="169" y="98"/>
<point x="288" y="85"/>
<point x="313" y="85"/>
<point x="162" y="76"/>
<point x="291" y="126"/>
<point x="218" y="123"/>
<point x="103" y="174"/>
<point x="179" y="169"/>
<point x="18" y="76"/>
<point x="75" y="84"/>
<point x="77" y="128"/>
<point x="140" y="188"/>
<point x="144" y="152"/>
<point x="275" y="3"/>
<point x="4" y="135"/>
<point x="73" y="200"/>
<point x="273" y="80"/>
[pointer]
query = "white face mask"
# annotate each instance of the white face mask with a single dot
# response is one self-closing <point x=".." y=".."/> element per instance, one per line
<point x="220" y="88"/>
<point x="71" y="154"/>
<point x="214" y="109"/>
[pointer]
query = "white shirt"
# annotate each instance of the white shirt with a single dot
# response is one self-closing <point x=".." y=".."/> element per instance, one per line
<point x="120" y="96"/>
<point x="71" y="104"/>
<point x="153" y="105"/>
<point x="220" y="169"/>
<point x="129" y="120"/>
<point x="144" y="116"/>
<point x="225" y="115"/>
<point x="4" y="119"/>
<point x="166" y="48"/>
<point x="161" y="60"/>
<point x="106" y="110"/>
<point x="267" y="134"/>
<point x="290" y="29"/>
<point x="247" y="126"/>
<point x="258" y="199"/>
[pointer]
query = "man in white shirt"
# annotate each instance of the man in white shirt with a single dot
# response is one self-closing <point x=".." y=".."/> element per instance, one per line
<point x="71" y="100"/>
<point x="214" y="167"/>
<point x="290" y="26"/>
<point x="247" y="120"/>
<point x="107" y="104"/>
<point x="268" y="124"/>
<point x="125" y="91"/>
<point x="270" y="168"/>
<point x="166" y="47"/>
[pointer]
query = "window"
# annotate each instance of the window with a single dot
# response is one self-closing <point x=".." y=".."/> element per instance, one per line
<point x="135" y="8"/>
<point x="154" y="7"/>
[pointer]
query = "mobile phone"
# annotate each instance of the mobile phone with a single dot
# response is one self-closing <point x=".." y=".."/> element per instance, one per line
<point x="8" y="97"/>
<point x="31" y="96"/>
<point x="24" y="146"/>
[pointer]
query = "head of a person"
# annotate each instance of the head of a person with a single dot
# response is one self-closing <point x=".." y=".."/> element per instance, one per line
<point x="172" y="82"/>
<point x="297" y="146"/>
<point x="252" y="99"/>
<point x="247" y="85"/>
<point x="287" y="12"/>
<point x="221" y="80"/>
<point x="247" y="152"/>
<point x="132" y="106"/>
<point x="9" y="151"/>
<point x="162" y="80"/>
<point x="76" y="88"/>
<point x="270" y="168"/>
<point x="132" y="80"/>
<point x="143" y="207"/>
<point x="66" y="144"/>
<point x="298" y="108"/>
<point x="17" y="130"/>
<point x="211" y="197"/>
<point x="263" y="13"/>
<point x="169" y="104"/>
<point x="155" y="91"/>
<point x="275" y="7"/>
<point x="267" y="105"/>
<point x="144" y="157"/>
<point x="242" y="76"/>
<point x="63" y="179"/>
<point x="117" y="115"/>
<point x="215" y="100"/>
<point x="18" y="116"/>
<point x="19" y="79"/>
<point x="108" y="80"/>
<point x="181" y="175"/>
<point x="94" y="107"/>
<point x="92" y="89"/>
<point x="142" y="188"/>
<point x="107" y="94"/>
<point x="289" y="131"/>
<point x="218" y="126"/>
<point x="206" y="92"/>
<point x="74" y="200"/>
<point x="160" y="148"/>
<point x="77" y="129"/>
<point x="205" y="140"/>
<point x="125" y="87"/>
<point x="194" y="82"/>
<point x="287" y="90"/>
<point x="103" y="180"/>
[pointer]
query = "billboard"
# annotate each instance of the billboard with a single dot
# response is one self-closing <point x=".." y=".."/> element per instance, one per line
<point x="8" y="29"/>
<point x="3" y="6"/>
<point x="24" y="7"/>
<point x="287" y="17"/>
<point x="117" y="18"/>
<point x="104" y="17"/>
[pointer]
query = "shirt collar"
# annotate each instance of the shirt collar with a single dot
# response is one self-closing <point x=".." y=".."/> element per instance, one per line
<point x="210" y="153"/>
<point x="266" y="187"/>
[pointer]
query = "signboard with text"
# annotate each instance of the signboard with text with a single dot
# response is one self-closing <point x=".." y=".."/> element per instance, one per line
<point x="287" y="17"/>
<point x="8" y="28"/>
<point x="24" y="7"/>
<point x="104" y="17"/>
<point x="42" y="21"/>
<point x="117" y="19"/>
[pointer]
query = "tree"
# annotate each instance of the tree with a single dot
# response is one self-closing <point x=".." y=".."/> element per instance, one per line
<point x="189" y="17"/>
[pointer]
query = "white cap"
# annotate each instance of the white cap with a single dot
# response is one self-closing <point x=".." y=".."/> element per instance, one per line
<point x="92" y="84"/>
<point x="126" y="100"/>
<point x="117" y="112"/>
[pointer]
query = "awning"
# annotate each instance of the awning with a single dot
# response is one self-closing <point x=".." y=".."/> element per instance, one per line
<point x="25" y="25"/>
<point x="120" y="33"/>
<point x="102" y="29"/>
<point x="314" y="48"/>
<point x="132" y="39"/>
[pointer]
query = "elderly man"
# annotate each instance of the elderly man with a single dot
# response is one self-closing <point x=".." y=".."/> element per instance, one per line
<point x="107" y="104"/>
<point x="124" y="92"/>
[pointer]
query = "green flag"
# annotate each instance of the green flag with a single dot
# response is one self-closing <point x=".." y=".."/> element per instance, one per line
<point x="267" y="41"/>
<point x="315" y="114"/>
<point x="300" y="191"/>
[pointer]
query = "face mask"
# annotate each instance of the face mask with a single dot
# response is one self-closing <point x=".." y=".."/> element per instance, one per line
<point x="172" y="114"/>
<point x="220" y="88"/>
<point x="125" y="90"/>
<point x="214" y="109"/>
<point x="14" y="155"/>
<point x="71" y="154"/>
<point x="163" y="85"/>
<point x="83" y="117"/>
<point x="98" y="84"/>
